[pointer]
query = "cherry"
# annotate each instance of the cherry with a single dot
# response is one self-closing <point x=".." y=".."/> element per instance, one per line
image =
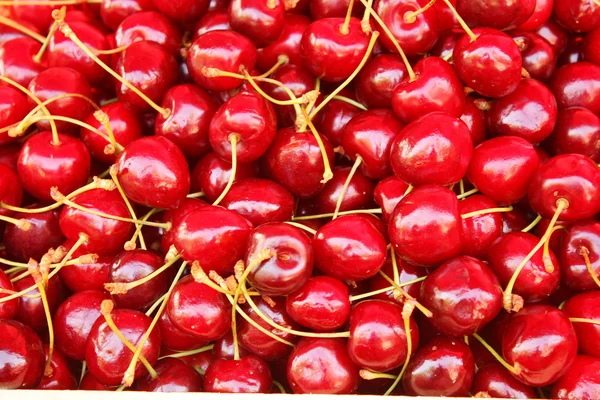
<point x="90" y="383"/>
<point x="495" y="381"/>
<point x="584" y="306"/>
<point x="224" y="50"/>
<point x="175" y="339"/>
<point x="377" y="80"/>
<point x="591" y="47"/>
<point x="434" y="149"/>
<point x="320" y="9"/>
<point x="247" y="375"/>
<point x="149" y="25"/>
<point x="574" y="51"/>
<point x="22" y="364"/>
<point x="388" y="192"/>
<point x="481" y="231"/>
<point x="577" y="131"/>
<point x="262" y="22"/>
<point x="577" y="15"/>
<point x="406" y="273"/>
<point x="349" y="248"/>
<point x="39" y="15"/>
<point x="11" y="191"/>
<point x="555" y="35"/>
<point x="539" y="365"/>
<point x="334" y="117"/>
<point x="44" y="164"/>
<point x="322" y="304"/>
<point x="577" y="85"/>
<point x="501" y="168"/>
<point x="490" y="64"/>
<point x="13" y="108"/>
<point x="502" y="15"/>
<point x="579" y="381"/>
<point x="358" y="194"/>
<point x="9" y="33"/>
<point x="539" y="57"/>
<point x="286" y="45"/>
<point x="322" y="366"/>
<point x="332" y="48"/>
<point x="580" y="241"/>
<point x="85" y="275"/>
<point x="182" y="10"/>
<point x="17" y="60"/>
<point x="8" y="309"/>
<point x="115" y="11"/>
<point x="62" y="377"/>
<point x="31" y="309"/>
<point x="443" y="367"/>
<point x="444" y="47"/>
<point x="413" y="98"/>
<point x="474" y="118"/>
<point x="541" y="14"/>
<point x="9" y="154"/>
<point x="212" y="21"/>
<point x="173" y="376"/>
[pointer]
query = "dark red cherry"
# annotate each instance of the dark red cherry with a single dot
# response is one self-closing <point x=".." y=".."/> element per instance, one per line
<point x="295" y="161"/>
<point x="541" y="13"/>
<point x="534" y="283"/>
<point x="331" y="54"/>
<point x="331" y="121"/>
<point x="434" y="149"/>
<point x="211" y="174"/>
<point x="322" y="304"/>
<point x="481" y="231"/>
<point x="149" y="67"/>
<point x="552" y="344"/>
<point x="286" y="45"/>
<point x="154" y="172"/>
<point x="149" y="25"/>
<point x="415" y="37"/>
<point x="108" y="358"/>
<point x="578" y="238"/>
<point x="9" y="154"/>
<point x="359" y="193"/>
<point x="90" y="383"/>
<point x="173" y="376"/>
<point x="13" y="108"/>
<point x="191" y="110"/>
<point x="199" y="310"/>
<point x="115" y="11"/>
<point x="105" y="236"/>
<point x="444" y="47"/>
<point x="388" y="193"/>
<point x="572" y="177"/>
<point x="322" y="366"/>
<point x="574" y="51"/>
<point x="250" y="374"/>
<point x="250" y="118"/>
<point x="406" y="273"/>
<point x="491" y="64"/>
<point x="225" y="50"/>
<point x="376" y="82"/>
<point x="11" y="191"/>
<point x="502" y="15"/>
<point x="85" y="276"/>
<point x="474" y="118"/>
<point x="515" y="220"/>
<point x="8" y="309"/>
<point x="413" y="99"/>
<point x="463" y="294"/>
<point x="577" y="15"/>
<point x="31" y="309"/>
<point x="291" y="265"/>
<point x="182" y="10"/>
<point x="260" y="21"/>
<point x="555" y="35"/>
<point x="591" y="47"/>
<point x="17" y="60"/>
<point x="577" y="131"/>
<point x="22" y="364"/>
<point x="224" y="348"/>
<point x="61" y="377"/>
<point x="579" y="381"/>
<point x="43" y="165"/>
<point x="529" y="112"/>
<point x="174" y="338"/>
<point x="494" y="380"/>
<point x="425" y="227"/>
<point x="501" y="168"/>
<point x="378" y="337"/>
<point x="349" y="248"/>
<point x="443" y="367"/>
<point x="539" y="57"/>
<point x="585" y="305"/>
<point x="577" y="85"/>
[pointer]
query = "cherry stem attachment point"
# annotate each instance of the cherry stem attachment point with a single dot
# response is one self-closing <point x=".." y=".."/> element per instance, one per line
<point x="233" y="139"/>
<point x="344" y="28"/>
<point x="461" y="21"/>
<point x="340" y="199"/>
<point x="585" y="253"/>
<point x="410" y="17"/>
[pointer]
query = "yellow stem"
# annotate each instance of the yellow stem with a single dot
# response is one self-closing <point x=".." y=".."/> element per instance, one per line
<point x="487" y="211"/>
<point x="421" y="308"/>
<point x="585" y="320"/>
<point x="548" y="265"/>
<point x="35" y="272"/>
<point x="327" y="172"/>
<point x="365" y="22"/>
<point x="301" y="226"/>
<point x="131" y="243"/>
<point x="461" y="21"/>
<point x="585" y="254"/>
<point x="394" y="266"/>
<point x="351" y="102"/>
<point x="195" y="195"/>
<point x="406" y="311"/>
<point x="23" y="29"/>
<point x="344" y="28"/>
<point x="189" y="352"/>
<point x="329" y="215"/>
<point x="155" y="305"/>
<point x="462" y="186"/>
<point x="38" y="57"/>
<point x="411" y="16"/>
<point x="113" y="174"/>
<point x="123" y="287"/>
<point x="116" y="50"/>
<point x="22" y="224"/>
<point x="340" y="199"/>
<point x="467" y="194"/>
<point x="384" y="290"/>
<point x="281" y="60"/>
<point x="533" y="224"/>
<point x="233" y="139"/>
<point x="497" y="356"/>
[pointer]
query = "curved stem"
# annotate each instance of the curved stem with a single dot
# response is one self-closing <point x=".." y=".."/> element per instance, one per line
<point x="23" y="29"/>
<point x="327" y="172"/>
<point x="113" y="174"/>
<point x="38" y="57"/>
<point x="116" y="50"/>
<point x="301" y="226"/>
<point x="200" y="276"/>
<point x="411" y="16"/>
<point x="281" y="60"/>
<point x="155" y="305"/>
<point x="497" y="356"/>
<point x="301" y="125"/>
<point x="351" y="102"/>
<point x="467" y="194"/>
<point x="340" y="199"/>
<point x="124" y="287"/>
<point x="461" y="21"/>
<point x="533" y="224"/>
<point x="585" y="254"/>
<point x="34" y="269"/>
<point x="407" y="296"/>
<point x="487" y="211"/>
<point x="189" y="352"/>
<point x="344" y="28"/>
<point x="329" y="215"/>
<point x="233" y="139"/>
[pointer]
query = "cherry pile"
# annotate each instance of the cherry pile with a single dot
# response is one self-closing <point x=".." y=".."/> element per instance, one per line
<point x="301" y="196"/>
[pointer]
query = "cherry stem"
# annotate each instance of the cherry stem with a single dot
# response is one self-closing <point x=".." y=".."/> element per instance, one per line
<point x="561" y="204"/>
<point x="116" y="50"/>
<point x="487" y="211"/>
<point x="344" y="28"/>
<point x="548" y="265"/>
<point x="195" y="195"/>
<point x="407" y="296"/>
<point x="281" y="60"/>
<point x="38" y="57"/>
<point x="279" y="386"/>
<point x="372" y="375"/>
<point x="395" y="271"/>
<point x="22" y="224"/>
<point x="467" y="194"/>
<point x="23" y="29"/>
<point x="68" y="32"/>
<point x="384" y="290"/>
<point x="533" y="224"/>
<point x="301" y="124"/>
<point x="113" y="171"/>
<point x="596" y="2"/>
<point x="585" y="320"/>
<point x="351" y="102"/>
<point x="113" y="146"/>
<point x="34" y="269"/>
<point x="585" y="254"/>
<point x="340" y="199"/>
<point x="189" y="352"/>
<point x="83" y="371"/>
<point x="327" y="172"/>
<point x="461" y="21"/>
<point x="461" y="186"/>
<point x="410" y="17"/>
<point x="233" y="139"/>
<point x="124" y="287"/>
<point x="155" y="305"/>
<point x="302" y="226"/>
<point x="365" y="23"/>
<point x="200" y="276"/>
<point x="23" y="267"/>
<point x="515" y="370"/>
<point x="131" y="243"/>
<point x="407" y="311"/>
<point x="329" y="215"/>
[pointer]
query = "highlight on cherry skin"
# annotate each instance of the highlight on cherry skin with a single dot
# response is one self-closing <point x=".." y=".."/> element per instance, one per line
<point x="335" y="197"/>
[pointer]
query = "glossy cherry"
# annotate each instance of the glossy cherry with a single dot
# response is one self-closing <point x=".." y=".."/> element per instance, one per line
<point x="495" y="381"/>
<point x="584" y="305"/>
<point x="149" y="25"/>
<point x="577" y="85"/>
<point x="287" y="44"/>
<point x="474" y="118"/>
<point x="8" y="309"/>
<point x="502" y="15"/>
<point x="591" y="49"/>
<point x="578" y="238"/>
<point x="174" y="338"/>
<point x="212" y="21"/>
<point x="577" y="131"/>
<point x="13" y="108"/>
<point x="11" y="191"/>
<point x="31" y="309"/>
<point x="250" y="374"/>
<point x="85" y="276"/>
<point x="262" y="22"/>
<point x="539" y="57"/>
<point x="577" y="15"/>
<point x="377" y="80"/>
<point x="406" y="273"/>
<point x="115" y="11"/>
<point x="22" y="365"/>
<point x="388" y="192"/>
<point x="182" y="10"/>
<point x="173" y="376"/>
<point x="480" y="231"/>
<point x="359" y="193"/>
<point x="8" y="33"/>
<point x="62" y="376"/>
<point x="18" y="63"/>
<point x="320" y="9"/>
<point x="580" y="381"/>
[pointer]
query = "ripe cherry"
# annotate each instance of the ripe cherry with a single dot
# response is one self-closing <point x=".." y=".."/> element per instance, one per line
<point x="32" y="310"/>
<point x="480" y="231"/>
<point x="182" y="10"/>
<point x="9" y="154"/>
<point x="502" y="15"/>
<point x="406" y="273"/>
<point x="474" y="118"/>
<point x="8" y="33"/>
<point x="541" y="14"/>
<point x="555" y="35"/>
<point x="85" y="276"/>
<point x="591" y="47"/>
<point x="377" y="80"/>
<point x="495" y="381"/>
<point x="149" y="25"/>
<point x="286" y="45"/>
<point x="577" y="15"/>
<point x="17" y="60"/>
<point x="9" y="309"/>
<point x="212" y="21"/>
<point x="173" y="376"/>
<point x="584" y="306"/>
<point x="174" y="338"/>
<point x="388" y="192"/>
<point x="115" y="11"/>
<point x="579" y="247"/>
<point x="13" y="108"/>
<point x="320" y="9"/>
<point x="61" y="377"/>
<point x="224" y="348"/>
<point x="22" y="365"/>
<point x="539" y="57"/>
<point x="358" y="194"/>
<point x="262" y="22"/>
<point x="577" y="85"/>
<point x="250" y="374"/>
<point x="577" y="131"/>
<point x="581" y="380"/>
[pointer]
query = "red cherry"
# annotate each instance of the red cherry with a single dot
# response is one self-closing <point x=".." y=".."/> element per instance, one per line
<point x="577" y="131"/>
<point x="481" y="231"/>
<point x="555" y="35"/>
<point x="502" y="15"/>
<point x="39" y="15"/>
<point x="406" y="273"/>
<point x="334" y="117"/>
<point x="574" y="52"/>
<point x="224" y="348"/>
<point x="247" y="375"/>
<point x="494" y="380"/>
<point x="13" y="108"/>
<point x="262" y="22"/>
<point x="377" y="80"/>
<point x="212" y="21"/>
<point x="61" y="378"/>
<point x="359" y="193"/>
<point x="8" y="309"/>
<point x="11" y="191"/>
<point x="322" y="366"/>
<point x="8" y="33"/>
<point x="174" y="338"/>
<point x="149" y="25"/>
<point x="388" y="193"/>
<point x="581" y="380"/>
<point x="577" y="85"/>
<point x="474" y="118"/>
<point x="539" y="57"/>
<point x="173" y="376"/>
<point x="577" y="15"/>
<point x="320" y="9"/>
<point x="22" y="365"/>
<point x="541" y="14"/>
<point x="182" y="10"/>
<point x="9" y="154"/>
<point x="592" y="47"/>
<point x="286" y="45"/>
<point x="90" y="383"/>
<point x="577" y="239"/>
<point x="31" y="309"/>
<point x="17" y="60"/>
<point x="584" y="305"/>
<point x="115" y="11"/>
<point x="444" y="47"/>
<point x="85" y="276"/>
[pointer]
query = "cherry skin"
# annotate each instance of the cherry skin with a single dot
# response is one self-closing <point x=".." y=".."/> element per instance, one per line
<point x="291" y="266"/>
<point x="359" y="193"/>
<point x="541" y="14"/>
<point x="501" y="168"/>
<point x="534" y="282"/>
<point x="212" y="21"/>
<point x="322" y="366"/>
<point x="377" y="336"/>
<point x="434" y="149"/>
<point x="211" y="174"/>
<point x="591" y="47"/>
<point x="406" y="273"/>
<point x="584" y="305"/>
<point x="578" y="238"/>
<point x="287" y="44"/>
<point x="443" y="367"/>
<point x="322" y="304"/>
<point x="577" y="85"/>
<point x="545" y="360"/>
<point x="474" y="118"/>
<point x="294" y="160"/>
<point x="182" y="10"/>
<point x="13" y="108"/>
<point x="261" y="22"/>
<point x="31" y="309"/>
<point x="85" y="276"/>
<point x="174" y="338"/>
<point x="115" y="11"/>
<point x="444" y="47"/>
<point x="108" y="358"/>
<point x="481" y="231"/>
<point x="149" y="25"/>
<point x="17" y="60"/>
<point x="154" y="172"/>
<point x="579" y="381"/>
<point x="22" y="365"/>
<point x="490" y="65"/>
<point x="11" y="191"/>
<point x="105" y="236"/>
<point x="330" y="54"/>
<point x="8" y="309"/>
<point x="320" y="9"/>
<point x="577" y="15"/>
<point x="250" y="374"/>
<point x="388" y="192"/>
<point x="502" y="15"/>
<point x="173" y="376"/>
<point x="9" y="154"/>
<point x="90" y="383"/>
<point x="539" y="57"/>
<point x="574" y="51"/>
<point x="62" y="377"/>
<point x="43" y="165"/>
<point x="577" y="131"/>
<point x="572" y="177"/>
<point x="225" y="50"/>
<point x="7" y="33"/>
<point x="463" y="294"/>
<point x="377" y="80"/>
<point x="496" y="381"/>
<point x="426" y="228"/>
<point x="414" y="99"/>
<point x="555" y="35"/>
<point x="349" y="248"/>
<point x="224" y="348"/>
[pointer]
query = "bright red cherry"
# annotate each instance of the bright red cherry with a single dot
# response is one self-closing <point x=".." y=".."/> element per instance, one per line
<point x="480" y="231"/>
<point x="579" y="381"/>
<point x="577" y="85"/>
<point x="377" y="80"/>
<point x="555" y="35"/>
<point x="261" y="21"/>
<point x="577" y="131"/>
<point x="17" y="60"/>
<point x="331" y="121"/>
<point x="577" y="15"/>
<point x="115" y="11"/>
<point x="11" y="191"/>
<point x="224" y="348"/>
<point x="320" y="9"/>
<point x="13" y="108"/>
<point x="9" y="154"/>
<point x="502" y="15"/>
<point x="474" y="118"/>
<point x="61" y="377"/>
<point x="31" y="309"/>
<point x="577" y="239"/>
<point x="149" y="25"/>
<point x="388" y="193"/>
<point x="286" y="45"/>
<point x="541" y="14"/>
<point x="8" y="309"/>
<point x="592" y="47"/>
<point x="539" y="57"/>
<point x="585" y="305"/>
<point x="174" y="338"/>
<point x="173" y="376"/>
<point x="182" y="10"/>
<point x="250" y="374"/>
<point x="8" y="33"/>
<point x="406" y="273"/>
<point x="359" y="193"/>
<point x="85" y="276"/>
<point x="494" y="380"/>
<point x="22" y="364"/>
<point x="212" y="21"/>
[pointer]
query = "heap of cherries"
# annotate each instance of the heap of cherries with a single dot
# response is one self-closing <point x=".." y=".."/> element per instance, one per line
<point x="305" y="196"/>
